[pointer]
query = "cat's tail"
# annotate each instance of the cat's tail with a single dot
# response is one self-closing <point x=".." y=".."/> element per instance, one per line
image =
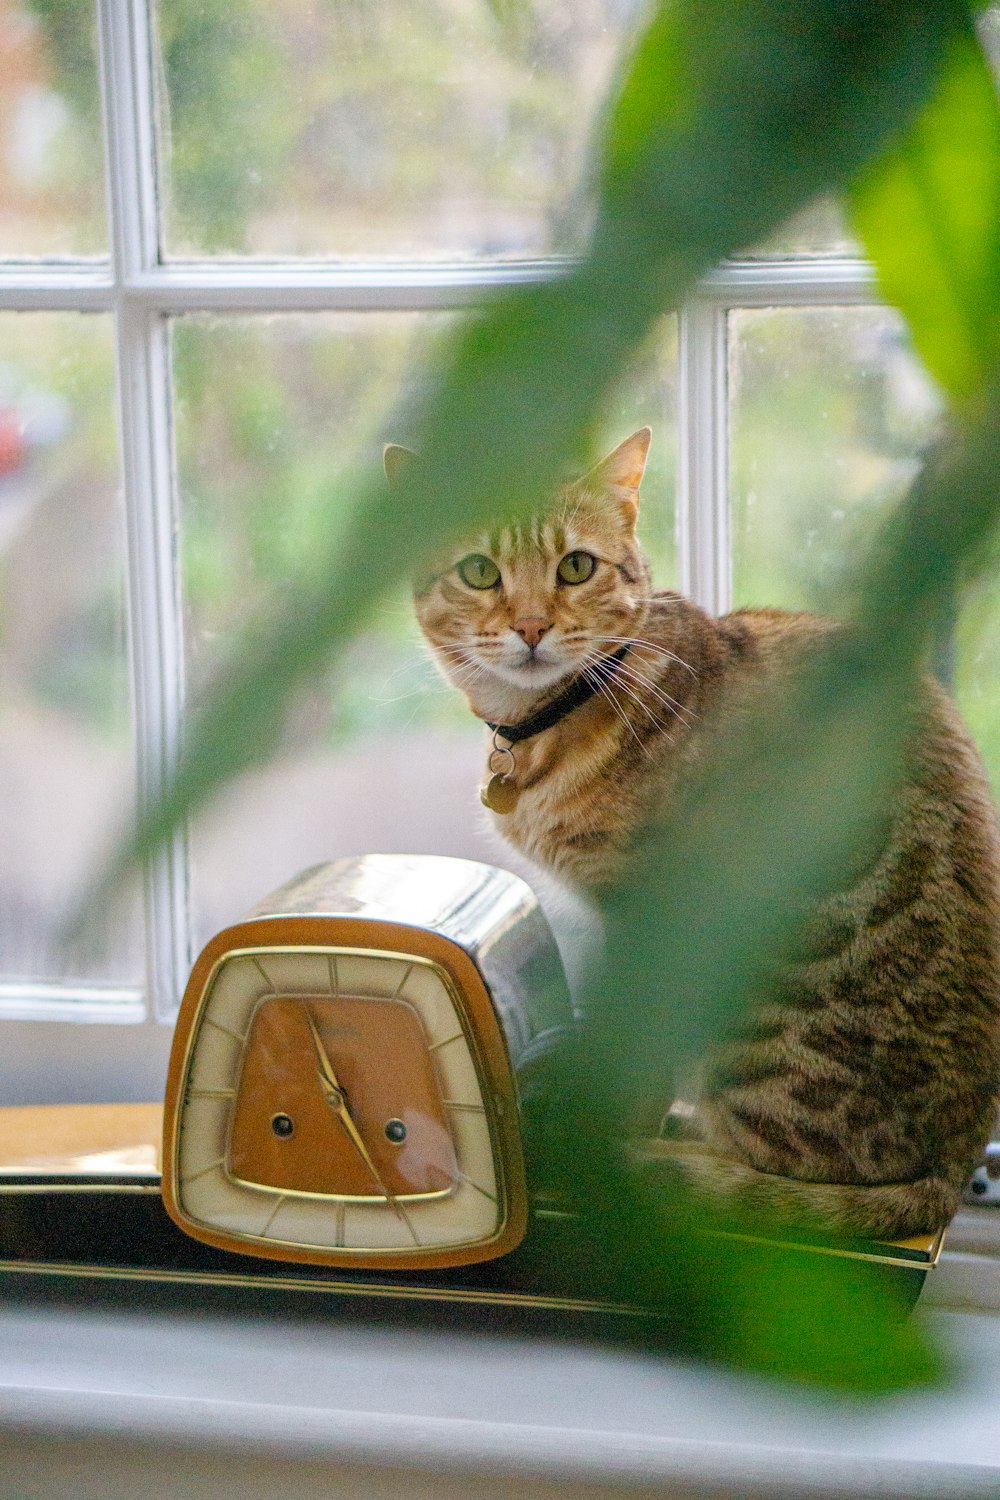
<point x="881" y="1211"/>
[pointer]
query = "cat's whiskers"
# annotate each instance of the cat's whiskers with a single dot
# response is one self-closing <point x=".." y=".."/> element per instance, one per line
<point x="615" y="674"/>
<point x="672" y="712"/>
<point x="637" y="699"/>
<point x="634" y="640"/>
<point x="620" y="671"/>
<point x="466" y="674"/>
<point x="629" y="668"/>
<point x="592" y="674"/>
<point x="676" y="708"/>
<point x="461" y="657"/>
<point x="611" y="676"/>
<point x="432" y="681"/>
<point x="462" y="671"/>
<point x="462" y="640"/>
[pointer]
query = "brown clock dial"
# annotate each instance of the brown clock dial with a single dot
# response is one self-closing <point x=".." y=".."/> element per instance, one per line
<point x="312" y="1115"/>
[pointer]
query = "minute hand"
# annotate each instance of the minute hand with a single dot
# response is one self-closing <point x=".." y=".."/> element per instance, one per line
<point x="337" y="1102"/>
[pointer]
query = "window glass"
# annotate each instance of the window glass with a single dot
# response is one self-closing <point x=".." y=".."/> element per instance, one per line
<point x="818" y="229"/>
<point x="66" y="757"/>
<point x="51" y="173"/>
<point x="988" y="27"/>
<point x="439" y="130"/>
<point x="274" y="416"/>
<point x="830" y="411"/>
<point x="977" y="668"/>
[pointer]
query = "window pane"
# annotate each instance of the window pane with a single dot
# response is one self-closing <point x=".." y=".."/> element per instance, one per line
<point x="273" y="416"/>
<point x="66" y="759"/>
<point x="400" y="129"/>
<point x="988" y="27"/>
<point x="830" y="411"/>
<point x="51" y="173"/>
<point x="977" y="669"/>
<point x="817" y="229"/>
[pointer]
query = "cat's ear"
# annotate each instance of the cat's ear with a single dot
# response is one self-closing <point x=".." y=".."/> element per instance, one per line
<point x="396" y="461"/>
<point x="621" y="471"/>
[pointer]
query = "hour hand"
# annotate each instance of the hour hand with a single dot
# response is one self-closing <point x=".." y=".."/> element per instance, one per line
<point x="326" y="1072"/>
<point x="337" y="1101"/>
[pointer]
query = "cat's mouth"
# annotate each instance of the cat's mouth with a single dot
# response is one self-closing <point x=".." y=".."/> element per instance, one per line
<point x="533" y="671"/>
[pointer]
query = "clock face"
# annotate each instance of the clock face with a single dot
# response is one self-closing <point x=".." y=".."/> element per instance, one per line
<point x="335" y="1105"/>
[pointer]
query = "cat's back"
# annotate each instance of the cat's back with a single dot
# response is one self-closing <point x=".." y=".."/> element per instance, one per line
<point x="743" y="647"/>
<point x="943" y="757"/>
<point x="776" y="637"/>
<point x="874" y="1058"/>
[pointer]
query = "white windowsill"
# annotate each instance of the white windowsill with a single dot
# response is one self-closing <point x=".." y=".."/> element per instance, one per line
<point x="109" y="1405"/>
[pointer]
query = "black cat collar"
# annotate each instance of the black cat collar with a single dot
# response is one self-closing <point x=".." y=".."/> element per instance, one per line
<point x="580" y="691"/>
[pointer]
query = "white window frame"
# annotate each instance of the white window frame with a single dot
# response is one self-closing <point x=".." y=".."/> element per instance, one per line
<point x="141" y="291"/>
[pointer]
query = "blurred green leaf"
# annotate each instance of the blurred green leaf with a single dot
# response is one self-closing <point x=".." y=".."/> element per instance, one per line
<point x="730" y="117"/>
<point x="928" y="212"/>
<point x="829" y="1325"/>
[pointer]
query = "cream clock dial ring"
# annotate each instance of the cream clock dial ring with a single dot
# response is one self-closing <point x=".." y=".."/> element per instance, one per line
<point x="334" y="1104"/>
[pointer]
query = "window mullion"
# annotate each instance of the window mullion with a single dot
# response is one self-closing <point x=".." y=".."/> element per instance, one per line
<point x="703" y="456"/>
<point x="144" y="399"/>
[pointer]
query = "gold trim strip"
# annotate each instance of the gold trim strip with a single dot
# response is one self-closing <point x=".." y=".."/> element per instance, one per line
<point x="341" y="1288"/>
<point x="363" y="1201"/>
<point x="903" y="1263"/>
<point x="80" y="1187"/>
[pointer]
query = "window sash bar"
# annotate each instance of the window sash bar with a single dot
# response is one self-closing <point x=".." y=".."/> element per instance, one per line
<point x="78" y="1003"/>
<point x="265" y="286"/>
<point x="144" y="403"/>
<point x="75" y="287"/>
<point x="823" y="281"/>
<point x="703" y="456"/>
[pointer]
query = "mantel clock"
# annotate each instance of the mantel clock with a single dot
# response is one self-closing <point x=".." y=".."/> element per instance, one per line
<point x="343" y="1086"/>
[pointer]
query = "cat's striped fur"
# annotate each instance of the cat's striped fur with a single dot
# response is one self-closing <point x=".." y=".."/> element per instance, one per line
<point x="862" y="1092"/>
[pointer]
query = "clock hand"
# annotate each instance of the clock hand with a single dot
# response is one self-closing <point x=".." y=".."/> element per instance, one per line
<point x="327" y="1076"/>
<point x="335" y="1098"/>
<point x="352" y="1130"/>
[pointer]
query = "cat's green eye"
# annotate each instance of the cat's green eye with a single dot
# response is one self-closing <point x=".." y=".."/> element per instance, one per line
<point x="576" y="567"/>
<point x="478" y="572"/>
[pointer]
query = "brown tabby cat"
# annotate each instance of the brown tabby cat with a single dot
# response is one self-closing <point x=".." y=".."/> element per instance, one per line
<point x="862" y="1094"/>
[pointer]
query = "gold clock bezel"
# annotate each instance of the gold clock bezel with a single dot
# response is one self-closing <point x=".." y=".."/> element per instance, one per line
<point x="327" y="935"/>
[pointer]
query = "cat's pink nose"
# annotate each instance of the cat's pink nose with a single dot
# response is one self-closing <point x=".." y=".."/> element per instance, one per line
<point x="531" y="630"/>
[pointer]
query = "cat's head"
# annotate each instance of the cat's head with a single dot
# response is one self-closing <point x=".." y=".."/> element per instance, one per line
<point x="511" y="613"/>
